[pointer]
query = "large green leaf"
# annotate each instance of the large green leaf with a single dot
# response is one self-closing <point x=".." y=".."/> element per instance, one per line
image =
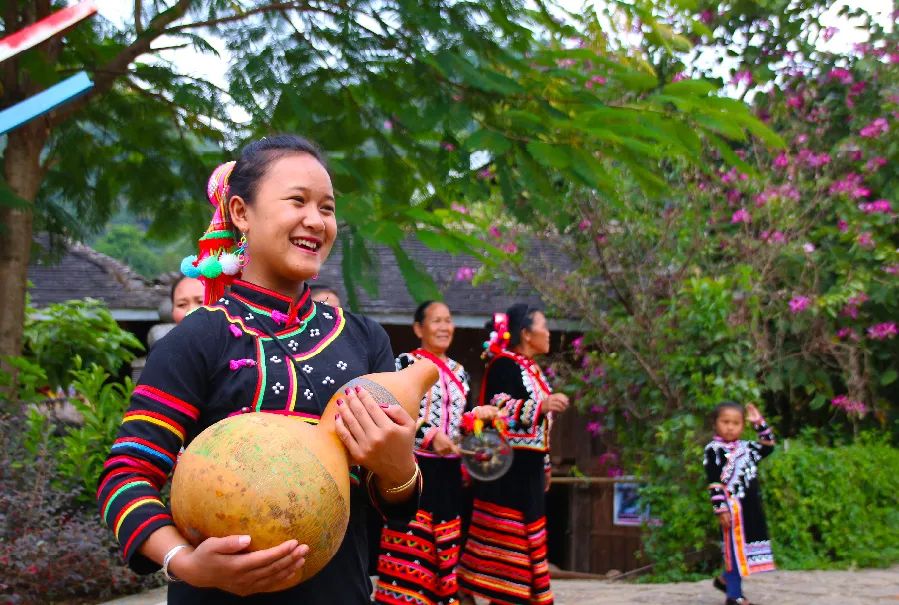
<point x="418" y="281"/>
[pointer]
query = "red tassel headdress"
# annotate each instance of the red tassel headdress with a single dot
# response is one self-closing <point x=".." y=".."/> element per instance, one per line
<point x="218" y="260"/>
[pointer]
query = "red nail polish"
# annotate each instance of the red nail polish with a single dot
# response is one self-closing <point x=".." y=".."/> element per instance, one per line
<point x="358" y="389"/>
<point x="347" y="391"/>
<point x="384" y="406"/>
<point x="340" y="402"/>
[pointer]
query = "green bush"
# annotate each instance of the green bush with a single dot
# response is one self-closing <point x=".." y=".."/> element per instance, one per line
<point x="833" y="507"/>
<point x="55" y="335"/>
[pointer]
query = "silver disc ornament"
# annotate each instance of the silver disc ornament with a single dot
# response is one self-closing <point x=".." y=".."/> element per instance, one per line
<point x="487" y="456"/>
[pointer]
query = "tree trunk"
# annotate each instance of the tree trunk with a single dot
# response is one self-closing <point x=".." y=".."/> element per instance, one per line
<point x="22" y="171"/>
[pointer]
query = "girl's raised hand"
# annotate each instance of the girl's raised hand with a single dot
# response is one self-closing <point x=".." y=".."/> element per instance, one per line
<point x="753" y="415"/>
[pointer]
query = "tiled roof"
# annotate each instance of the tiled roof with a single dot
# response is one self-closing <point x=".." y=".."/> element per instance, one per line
<point x="83" y="272"/>
<point x="464" y="299"/>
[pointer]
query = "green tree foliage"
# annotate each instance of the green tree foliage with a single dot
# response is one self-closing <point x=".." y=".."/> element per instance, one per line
<point x="758" y="273"/>
<point x="418" y="104"/>
<point x="127" y="243"/>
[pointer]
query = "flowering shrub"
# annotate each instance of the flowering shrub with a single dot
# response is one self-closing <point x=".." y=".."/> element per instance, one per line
<point x="767" y="275"/>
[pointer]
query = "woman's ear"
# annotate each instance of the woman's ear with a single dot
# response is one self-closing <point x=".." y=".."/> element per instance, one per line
<point x="416" y="327"/>
<point x="238" y="209"/>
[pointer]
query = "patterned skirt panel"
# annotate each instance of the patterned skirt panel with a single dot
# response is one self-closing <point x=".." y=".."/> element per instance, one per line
<point x="417" y="562"/>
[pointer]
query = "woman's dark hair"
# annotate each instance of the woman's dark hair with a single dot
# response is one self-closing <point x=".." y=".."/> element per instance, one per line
<point x="727" y="405"/>
<point x="422" y="309"/>
<point x="521" y="317"/>
<point x="256" y="158"/>
<point x="175" y="283"/>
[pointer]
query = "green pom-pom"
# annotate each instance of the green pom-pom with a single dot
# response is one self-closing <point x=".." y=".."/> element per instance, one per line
<point x="210" y="267"/>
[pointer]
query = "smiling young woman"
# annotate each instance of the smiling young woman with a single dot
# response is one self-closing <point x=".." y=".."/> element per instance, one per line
<point x="259" y="347"/>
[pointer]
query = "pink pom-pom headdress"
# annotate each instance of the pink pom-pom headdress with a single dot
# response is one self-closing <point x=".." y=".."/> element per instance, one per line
<point x="499" y="336"/>
<point x="219" y="259"/>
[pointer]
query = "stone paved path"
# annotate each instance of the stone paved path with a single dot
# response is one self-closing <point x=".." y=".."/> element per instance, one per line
<point x="865" y="587"/>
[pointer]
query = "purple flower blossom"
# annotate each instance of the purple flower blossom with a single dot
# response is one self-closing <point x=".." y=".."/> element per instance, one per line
<point x="875" y="129"/>
<point x="847" y="334"/>
<point x="447" y="146"/>
<point x="865" y="240"/>
<point x="829" y="33"/>
<point x="892" y="269"/>
<point x="843" y="226"/>
<point x="388" y="125"/>
<point x="844" y="76"/>
<point x="594" y="428"/>
<point x="679" y="76"/>
<point x="597" y="409"/>
<point x="578" y="345"/>
<point x="464" y="274"/>
<point x="742" y="77"/>
<point x="795" y="101"/>
<point x="852" y="305"/>
<point x="584" y="225"/>
<point x="550" y="372"/>
<point x="808" y="247"/>
<point x="485" y="173"/>
<point x="850" y="406"/>
<point x="494" y="231"/>
<point x="607" y="458"/>
<point x="875" y="164"/>
<point x="595" y="81"/>
<point x="734" y="196"/>
<point x="785" y="191"/>
<point x="812" y="159"/>
<point x="782" y="160"/>
<point x="882" y="331"/>
<point x="509" y="248"/>
<point x="707" y="16"/>
<point x="773" y="237"/>
<point x="878" y="207"/>
<point x="457" y="207"/>
<point x="798" y="304"/>
<point x="851" y="185"/>
<point x="740" y="216"/>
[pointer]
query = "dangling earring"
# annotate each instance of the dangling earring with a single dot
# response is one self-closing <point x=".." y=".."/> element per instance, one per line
<point x="314" y="277"/>
<point x="243" y="257"/>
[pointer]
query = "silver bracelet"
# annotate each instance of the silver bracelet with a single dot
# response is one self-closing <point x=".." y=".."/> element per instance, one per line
<point x="168" y="559"/>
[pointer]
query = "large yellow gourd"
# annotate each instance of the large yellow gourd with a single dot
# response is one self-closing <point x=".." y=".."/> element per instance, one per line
<point x="276" y="477"/>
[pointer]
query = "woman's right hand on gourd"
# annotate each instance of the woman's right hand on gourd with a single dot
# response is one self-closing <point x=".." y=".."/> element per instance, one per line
<point x="222" y="563"/>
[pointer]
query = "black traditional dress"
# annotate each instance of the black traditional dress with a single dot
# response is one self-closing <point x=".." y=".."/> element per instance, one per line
<point x="219" y="362"/>
<point x="504" y="557"/>
<point x="732" y="471"/>
<point x="417" y="561"/>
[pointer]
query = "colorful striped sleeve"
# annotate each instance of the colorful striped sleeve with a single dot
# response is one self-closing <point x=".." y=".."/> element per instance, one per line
<point x="164" y="410"/>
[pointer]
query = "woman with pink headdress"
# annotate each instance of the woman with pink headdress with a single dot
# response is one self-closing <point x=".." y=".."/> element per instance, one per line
<point x="504" y="558"/>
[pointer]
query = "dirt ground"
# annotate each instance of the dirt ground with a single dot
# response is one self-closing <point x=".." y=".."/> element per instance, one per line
<point x="864" y="587"/>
